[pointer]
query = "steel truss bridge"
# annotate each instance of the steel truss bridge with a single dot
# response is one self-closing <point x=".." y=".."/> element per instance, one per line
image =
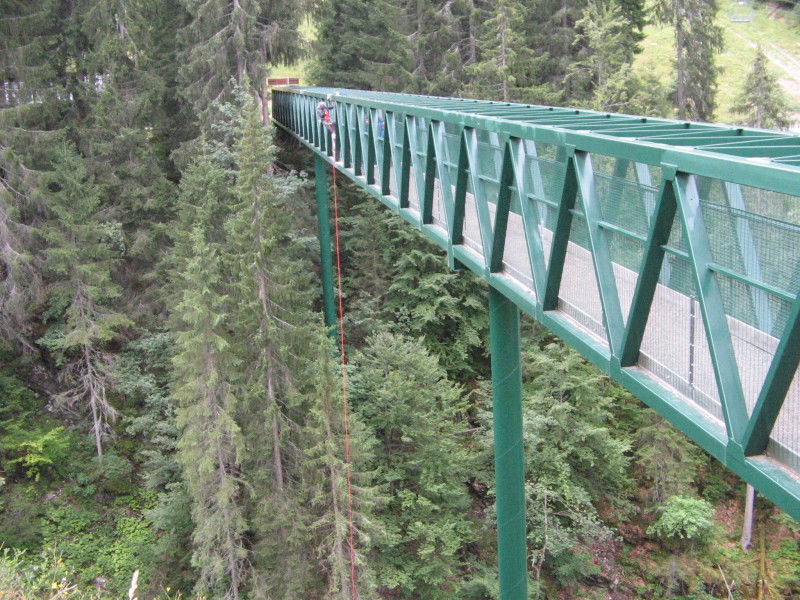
<point x="666" y="253"/>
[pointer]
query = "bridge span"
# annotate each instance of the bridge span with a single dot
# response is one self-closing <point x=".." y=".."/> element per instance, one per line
<point x="667" y="253"/>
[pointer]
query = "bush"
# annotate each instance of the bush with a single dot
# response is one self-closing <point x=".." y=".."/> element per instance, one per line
<point x="684" y="518"/>
<point x="42" y="576"/>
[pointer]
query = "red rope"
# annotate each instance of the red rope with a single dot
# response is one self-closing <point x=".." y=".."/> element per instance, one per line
<point x="353" y="590"/>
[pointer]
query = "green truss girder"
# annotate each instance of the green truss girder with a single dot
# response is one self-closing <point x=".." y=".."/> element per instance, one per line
<point x="440" y="140"/>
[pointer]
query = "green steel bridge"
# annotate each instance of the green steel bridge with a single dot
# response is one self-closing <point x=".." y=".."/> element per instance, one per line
<point x="667" y="253"/>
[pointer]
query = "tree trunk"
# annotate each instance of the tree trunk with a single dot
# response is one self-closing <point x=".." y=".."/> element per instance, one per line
<point x="747" y="525"/>
<point x="680" y="65"/>
<point x="263" y="102"/>
<point x="504" y="54"/>
<point x="96" y="418"/>
<point x="472" y="50"/>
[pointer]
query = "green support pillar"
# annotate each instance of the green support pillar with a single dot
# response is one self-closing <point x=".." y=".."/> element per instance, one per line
<point x="324" y="230"/>
<point x="509" y="459"/>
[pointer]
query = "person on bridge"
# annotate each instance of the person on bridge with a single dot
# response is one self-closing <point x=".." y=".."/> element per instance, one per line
<point x="324" y="115"/>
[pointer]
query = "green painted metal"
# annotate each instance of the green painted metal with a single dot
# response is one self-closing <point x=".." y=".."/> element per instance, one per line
<point x="601" y="259"/>
<point x="650" y="270"/>
<point x="509" y="459"/>
<point x="558" y="249"/>
<point x="527" y="165"/>
<point x="719" y="338"/>
<point x="324" y="235"/>
<point x="778" y="380"/>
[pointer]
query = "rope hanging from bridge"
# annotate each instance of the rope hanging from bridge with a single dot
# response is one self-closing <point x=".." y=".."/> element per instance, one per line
<point x="345" y="407"/>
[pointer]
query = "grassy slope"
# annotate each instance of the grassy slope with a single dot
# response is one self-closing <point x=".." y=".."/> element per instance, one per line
<point x="298" y="69"/>
<point x="778" y="35"/>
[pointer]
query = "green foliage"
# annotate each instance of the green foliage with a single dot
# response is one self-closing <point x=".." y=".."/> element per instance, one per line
<point x="604" y="31"/>
<point x="420" y="463"/>
<point x="96" y="546"/>
<point x="226" y="45"/>
<point x="684" y="518"/>
<point x="668" y="460"/>
<point x="698" y="39"/>
<point x="42" y="576"/>
<point x="358" y="45"/>
<point x="400" y="281"/>
<point x="506" y="67"/>
<point x="29" y="443"/>
<point x="576" y="460"/>
<point x="762" y="102"/>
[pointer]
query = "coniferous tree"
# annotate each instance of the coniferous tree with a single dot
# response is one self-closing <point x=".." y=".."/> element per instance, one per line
<point x="603" y="31"/>
<point x="326" y="482"/>
<point x="761" y="101"/>
<point x="575" y="460"/>
<point x="398" y="277"/>
<point x="420" y="461"/>
<point x="81" y="250"/>
<point x="503" y="70"/>
<point x="226" y="41"/>
<point x="698" y="39"/>
<point x="207" y="389"/>
<point x="359" y="45"/>
<point x="272" y="322"/>
<point x="436" y="35"/>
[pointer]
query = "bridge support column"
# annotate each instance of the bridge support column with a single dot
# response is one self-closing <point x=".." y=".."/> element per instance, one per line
<point x="509" y="459"/>
<point x="324" y="234"/>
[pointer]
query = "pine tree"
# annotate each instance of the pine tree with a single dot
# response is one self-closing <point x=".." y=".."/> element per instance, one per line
<point x="327" y="485"/>
<point x="604" y="31"/>
<point x="393" y="275"/>
<point x="436" y="34"/>
<point x="502" y="70"/>
<point x="211" y="443"/>
<point x="359" y="45"/>
<point x="697" y="41"/>
<point x="208" y="386"/>
<point x="576" y="461"/>
<point x="407" y="403"/>
<point x="762" y="102"/>
<point x="228" y="40"/>
<point x="272" y="323"/>
<point x="81" y="250"/>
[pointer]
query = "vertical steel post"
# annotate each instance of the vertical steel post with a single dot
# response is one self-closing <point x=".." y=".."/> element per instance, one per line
<point x="508" y="449"/>
<point x="324" y="235"/>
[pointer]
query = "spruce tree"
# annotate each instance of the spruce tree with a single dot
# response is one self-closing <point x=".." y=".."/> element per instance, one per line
<point x="405" y="400"/>
<point x="502" y="71"/>
<point x="211" y="443"/>
<point x="226" y="41"/>
<point x="698" y="39"/>
<point x="208" y="387"/>
<point x="326" y="483"/>
<point x="576" y="462"/>
<point x="604" y="31"/>
<point x="360" y="45"/>
<point x="81" y="249"/>
<point x="273" y="318"/>
<point x="761" y="102"/>
<point x="436" y="35"/>
<point x="395" y="276"/>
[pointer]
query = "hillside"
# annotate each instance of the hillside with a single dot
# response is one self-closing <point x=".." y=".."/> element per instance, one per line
<point x="775" y="28"/>
<point x="772" y="27"/>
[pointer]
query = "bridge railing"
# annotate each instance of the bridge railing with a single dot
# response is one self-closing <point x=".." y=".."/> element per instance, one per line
<point x="667" y="253"/>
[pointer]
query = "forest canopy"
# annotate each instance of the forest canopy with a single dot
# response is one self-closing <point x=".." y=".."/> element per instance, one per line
<point x="171" y="411"/>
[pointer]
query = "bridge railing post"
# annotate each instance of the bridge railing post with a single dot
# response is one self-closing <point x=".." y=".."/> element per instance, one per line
<point x="324" y="235"/>
<point x="508" y="446"/>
